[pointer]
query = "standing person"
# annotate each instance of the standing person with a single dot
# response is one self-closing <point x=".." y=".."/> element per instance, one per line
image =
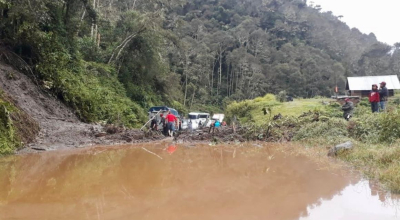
<point x="164" y="125"/>
<point x="347" y="109"/>
<point x="234" y="122"/>
<point x="374" y="98"/>
<point x="384" y="94"/>
<point x="154" y="124"/>
<point x="214" y="125"/>
<point x="171" y="119"/>
<point x="190" y="126"/>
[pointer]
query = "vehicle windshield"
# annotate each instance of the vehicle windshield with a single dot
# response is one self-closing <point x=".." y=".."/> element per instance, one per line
<point x="193" y="116"/>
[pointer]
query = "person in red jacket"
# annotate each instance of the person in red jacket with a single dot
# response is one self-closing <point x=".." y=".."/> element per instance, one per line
<point x="171" y="119"/>
<point x="374" y="98"/>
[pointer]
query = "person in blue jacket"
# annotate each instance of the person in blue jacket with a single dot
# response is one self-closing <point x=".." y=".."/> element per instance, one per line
<point x="383" y="94"/>
<point x="216" y="124"/>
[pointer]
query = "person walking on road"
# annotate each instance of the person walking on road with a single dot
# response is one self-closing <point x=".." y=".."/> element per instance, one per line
<point x="374" y="98"/>
<point x="383" y="94"/>
<point x="163" y="123"/>
<point x="347" y="109"/>
<point x="171" y="119"/>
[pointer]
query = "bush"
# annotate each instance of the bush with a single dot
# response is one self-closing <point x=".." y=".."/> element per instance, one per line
<point x="16" y="126"/>
<point x="396" y="101"/>
<point x="240" y="110"/>
<point x="365" y="128"/>
<point x="8" y="139"/>
<point x="180" y="108"/>
<point x="91" y="89"/>
<point x="267" y="98"/>
<point x="282" y="96"/>
<point x="375" y="128"/>
<point x="389" y="127"/>
<point x="331" y="129"/>
<point x="333" y="110"/>
<point x="364" y="102"/>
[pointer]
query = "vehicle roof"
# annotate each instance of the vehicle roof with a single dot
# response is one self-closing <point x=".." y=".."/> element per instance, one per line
<point x="164" y="108"/>
<point x="198" y="113"/>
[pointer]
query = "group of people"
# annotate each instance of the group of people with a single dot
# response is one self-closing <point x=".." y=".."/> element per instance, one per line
<point x="377" y="97"/>
<point x="168" y="123"/>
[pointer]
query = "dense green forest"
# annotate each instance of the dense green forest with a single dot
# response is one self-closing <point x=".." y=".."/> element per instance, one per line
<point x="111" y="59"/>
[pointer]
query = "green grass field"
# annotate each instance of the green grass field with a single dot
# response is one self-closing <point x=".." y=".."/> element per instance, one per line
<point x="295" y="108"/>
<point x="376" y="139"/>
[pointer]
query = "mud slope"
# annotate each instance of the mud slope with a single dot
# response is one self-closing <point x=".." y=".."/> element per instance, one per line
<point x="60" y="128"/>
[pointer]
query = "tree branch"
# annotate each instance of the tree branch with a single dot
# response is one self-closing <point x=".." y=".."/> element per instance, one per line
<point x="124" y="43"/>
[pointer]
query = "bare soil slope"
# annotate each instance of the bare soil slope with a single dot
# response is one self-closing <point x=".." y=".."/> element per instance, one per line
<point x="59" y="127"/>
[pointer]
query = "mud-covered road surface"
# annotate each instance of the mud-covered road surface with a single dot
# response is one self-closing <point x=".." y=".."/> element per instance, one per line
<point x="164" y="180"/>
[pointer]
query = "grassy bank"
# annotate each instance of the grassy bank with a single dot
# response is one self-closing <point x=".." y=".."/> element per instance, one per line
<point x="16" y="127"/>
<point x="318" y="123"/>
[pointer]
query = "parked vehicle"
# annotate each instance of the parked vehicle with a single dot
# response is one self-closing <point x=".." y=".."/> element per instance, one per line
<point x="184" y="124"/>
<point x="199" y="119"/>
<point x="220" y="117"/>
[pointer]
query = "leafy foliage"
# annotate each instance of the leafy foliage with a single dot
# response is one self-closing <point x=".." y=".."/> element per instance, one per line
<point x="282" y="96"/>
<point x="15" y="126"/>
<point x="197" y="53"/>
<point x="330" y="129"/>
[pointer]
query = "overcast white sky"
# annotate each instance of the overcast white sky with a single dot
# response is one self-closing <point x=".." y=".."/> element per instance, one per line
<point x="382" y="17"/>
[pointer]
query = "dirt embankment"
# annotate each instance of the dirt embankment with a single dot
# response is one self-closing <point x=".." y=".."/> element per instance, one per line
<point x="59" y="126"/>
<point x="61" y="129"/>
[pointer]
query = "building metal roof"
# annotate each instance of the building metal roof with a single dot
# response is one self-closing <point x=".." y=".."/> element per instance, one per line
<point x="366" y="82"/>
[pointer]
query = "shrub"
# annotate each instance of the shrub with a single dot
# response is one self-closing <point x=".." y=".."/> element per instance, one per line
<point x="365" y="128"/>
<point x="16" y="126"/>
<point x="333" y="110"/>
<point x="240" y="110"/>
<point x="267" y="98"/>
<point x="94" y="92"/>
<point x="396" y="101"/>
<point x="364" y="102"/>
<point x="180" y="108"/>
<point x="282" y="96"/>
<point x="8" y="139"/>
<point x="389" y="126"/>
<point x="331" y="129"/>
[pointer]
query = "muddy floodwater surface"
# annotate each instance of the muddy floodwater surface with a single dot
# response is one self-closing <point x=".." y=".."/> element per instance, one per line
<point x="163" y="181"/>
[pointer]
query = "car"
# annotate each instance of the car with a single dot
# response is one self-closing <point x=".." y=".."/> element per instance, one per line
<point x="199" y="119"/>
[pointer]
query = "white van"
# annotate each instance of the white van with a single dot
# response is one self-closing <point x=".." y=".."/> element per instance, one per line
<point x="199" y="119"/>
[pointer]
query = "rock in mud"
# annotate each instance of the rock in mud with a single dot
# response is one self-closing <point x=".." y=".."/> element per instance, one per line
<point x="38" y="148"/>
<point x="102" y="134"/>
<point x="345" y="146"/>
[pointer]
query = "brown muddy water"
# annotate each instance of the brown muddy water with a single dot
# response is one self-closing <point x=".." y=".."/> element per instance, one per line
<point x="155" y="181"/>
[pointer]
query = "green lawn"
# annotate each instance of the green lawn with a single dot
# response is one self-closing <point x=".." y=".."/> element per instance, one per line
<point x="295" y="108"/>
<point x="375" y="137"/>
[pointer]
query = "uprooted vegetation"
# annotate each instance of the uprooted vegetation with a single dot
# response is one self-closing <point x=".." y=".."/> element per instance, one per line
<point x="16" y="127"/>
<point x="319" y="123"/>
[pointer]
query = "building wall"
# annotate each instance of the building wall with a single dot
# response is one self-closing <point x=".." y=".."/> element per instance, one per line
<point x="365" y="93"/>
<point x="355" y="93"/>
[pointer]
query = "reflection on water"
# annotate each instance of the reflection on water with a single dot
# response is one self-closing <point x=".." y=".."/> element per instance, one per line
<point x="360" y="201"/>
<point x="158" y="181"/>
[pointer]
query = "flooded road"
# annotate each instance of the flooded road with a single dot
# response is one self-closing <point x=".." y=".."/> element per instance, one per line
<point x="158" y="181"/>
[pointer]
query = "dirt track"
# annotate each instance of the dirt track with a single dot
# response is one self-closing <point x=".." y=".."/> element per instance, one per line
<point x="61" y="129"/>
